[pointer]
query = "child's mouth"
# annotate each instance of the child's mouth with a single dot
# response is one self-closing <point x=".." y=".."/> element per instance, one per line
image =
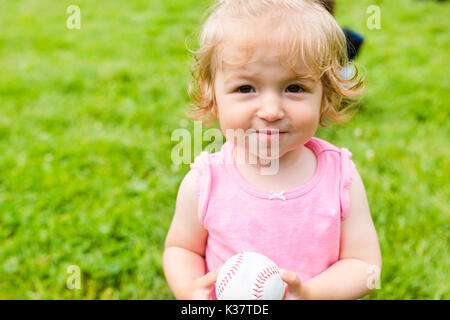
<point x="270" y="135"/>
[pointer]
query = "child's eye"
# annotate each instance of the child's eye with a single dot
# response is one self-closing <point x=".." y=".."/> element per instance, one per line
<point x="244" y="89"/>
<point x="295" y="88"/>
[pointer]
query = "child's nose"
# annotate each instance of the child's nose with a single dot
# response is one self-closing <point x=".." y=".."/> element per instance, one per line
<point x="270" y="108"/>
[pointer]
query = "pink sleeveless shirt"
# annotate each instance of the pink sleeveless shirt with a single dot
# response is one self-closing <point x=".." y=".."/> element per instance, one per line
<point x="298" y="229"/>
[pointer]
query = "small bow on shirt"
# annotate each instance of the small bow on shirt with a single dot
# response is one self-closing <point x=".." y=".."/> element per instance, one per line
<point x="278" y="195"/>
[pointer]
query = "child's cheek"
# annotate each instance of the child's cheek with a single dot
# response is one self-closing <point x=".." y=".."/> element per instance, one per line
<point x="235" y="117"/>
<point x="306" y="117"/>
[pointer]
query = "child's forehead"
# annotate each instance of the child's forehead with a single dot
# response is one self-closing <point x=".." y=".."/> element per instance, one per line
<point x="239" y="59"/>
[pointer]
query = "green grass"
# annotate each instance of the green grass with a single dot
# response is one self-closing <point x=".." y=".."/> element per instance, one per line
<point x="86" y="176"/>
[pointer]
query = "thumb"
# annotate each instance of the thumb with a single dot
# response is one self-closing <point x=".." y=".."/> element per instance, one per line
<point x="210" y="278"/>
<point x="291" y="278"/>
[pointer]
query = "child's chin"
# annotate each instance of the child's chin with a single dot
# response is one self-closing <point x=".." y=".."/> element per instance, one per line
<point x="266" y="156"/>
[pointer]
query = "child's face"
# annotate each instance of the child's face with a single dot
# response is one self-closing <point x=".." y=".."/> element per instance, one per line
<point x="264" y="95"/>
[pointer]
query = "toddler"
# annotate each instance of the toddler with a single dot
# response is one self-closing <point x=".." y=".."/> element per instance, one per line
<point x="268" y="71"/>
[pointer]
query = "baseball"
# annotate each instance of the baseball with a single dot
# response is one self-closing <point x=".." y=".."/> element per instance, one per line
<point x="249" y="276"/>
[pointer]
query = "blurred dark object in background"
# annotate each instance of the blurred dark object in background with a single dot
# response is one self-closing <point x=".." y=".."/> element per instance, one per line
<point x="354" y="40"/>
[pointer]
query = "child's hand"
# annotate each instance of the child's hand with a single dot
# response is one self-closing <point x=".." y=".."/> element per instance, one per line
<point x="294" y="289"/>
<point x="201" y="288"/>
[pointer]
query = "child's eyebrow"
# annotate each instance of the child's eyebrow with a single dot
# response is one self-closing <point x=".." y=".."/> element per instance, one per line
<point x="252" y="76"/>
<point x="240" y="74"/>
<point x="302" y="77"/>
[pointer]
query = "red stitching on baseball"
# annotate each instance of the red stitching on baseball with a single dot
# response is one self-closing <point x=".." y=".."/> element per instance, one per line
<point x="222" y="285"/>
<point x="261" y="280"/>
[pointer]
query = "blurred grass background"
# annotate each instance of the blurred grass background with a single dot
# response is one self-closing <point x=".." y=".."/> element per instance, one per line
<point x="86" y="176"/>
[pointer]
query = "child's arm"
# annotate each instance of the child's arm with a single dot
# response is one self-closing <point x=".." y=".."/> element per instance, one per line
<point x="183" y="259"/>
<point x="359" y="265"/>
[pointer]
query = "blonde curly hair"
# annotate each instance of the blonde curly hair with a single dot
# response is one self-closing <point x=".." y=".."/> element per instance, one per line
<point x="301" y="31"/>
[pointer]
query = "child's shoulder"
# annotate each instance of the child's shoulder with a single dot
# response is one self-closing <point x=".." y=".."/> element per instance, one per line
<point x="206" y="157"/>
<point x="333" y="153"/>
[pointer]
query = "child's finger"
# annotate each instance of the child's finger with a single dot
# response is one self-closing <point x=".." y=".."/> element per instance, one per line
<point x="285" y="290"/>
<point x="291" y="278"/>
<point x="210" y="278"/>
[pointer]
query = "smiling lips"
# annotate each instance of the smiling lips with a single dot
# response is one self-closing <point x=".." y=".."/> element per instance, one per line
<point x="270" y="131"/>
<point x="269" y="134"/>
